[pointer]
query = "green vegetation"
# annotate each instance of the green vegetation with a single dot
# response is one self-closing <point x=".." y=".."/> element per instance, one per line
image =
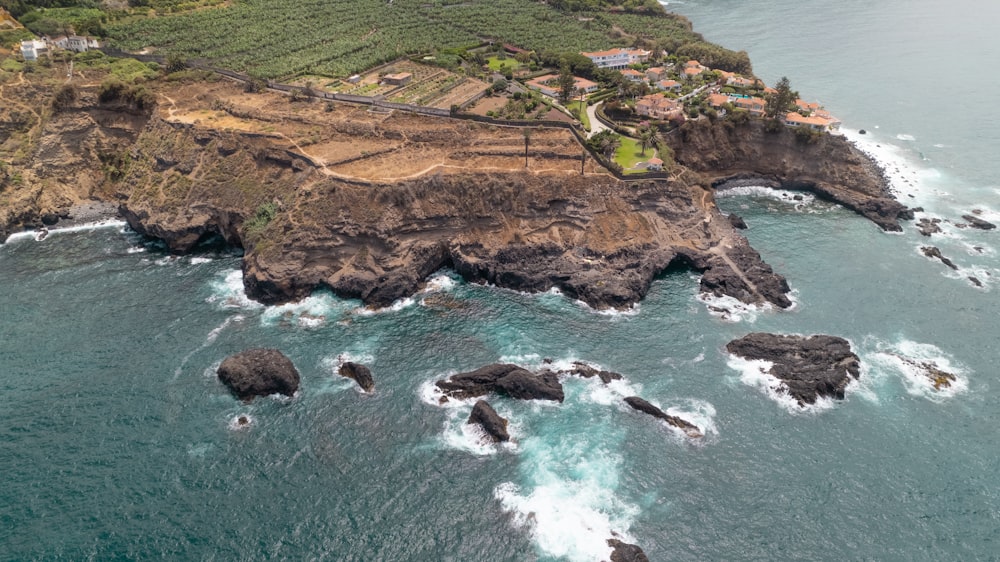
<point x="64" y="21"/>
<point x="14" y="36"/>
<point x="630" y="153"/>
<point x="262" y="217"/>
<point x="579" y="108"/>
<point x="284" y="38"/>
<point x="504" y="65"/>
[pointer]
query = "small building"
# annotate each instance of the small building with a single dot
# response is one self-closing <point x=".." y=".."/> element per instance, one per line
<point x="549" y="85"/>
<point x="656" y="106"/>
<point x="31" y="49"/>
<point x="754" y="105"/>
<point x="354" y="79"/>
<point x="617" y="59"/>
<point x="807" y="106"/>
<point x="740" y="82"/>
<point x="654" y="165"/>
<point x="398" y="79"/>
<point x="633" y="75"/>
<point x="656" y="74"/>
<point x="693" y="68"/>
<point x="795" y="119"/>
<point x="81" y="44"/>
<point x="669" y="85"/>
<point x="718" y="100"/>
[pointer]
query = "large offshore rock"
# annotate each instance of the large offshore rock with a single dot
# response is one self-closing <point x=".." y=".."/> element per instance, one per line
<point x="808" y="367"/>
<point x="486" y="417"/>
<point x="259" y="372"/>
<point x="361" y="374"/>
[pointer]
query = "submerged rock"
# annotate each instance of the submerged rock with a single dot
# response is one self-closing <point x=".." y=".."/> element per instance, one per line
<point x="361" y="374"/>
<point x="976" y="222"/>
<point x="808" y="367"/>
<point x="491" y="422"/>
<point x="506" y="379"/>
<point x="586" y="371"/>
<point x="928" y="226"/>
<point x="624" y="552"/>
<point x="645" y="407"/>
<point x="933" y="252"/>
<point x="938" y="378"/>
<point x="259" y="372"/>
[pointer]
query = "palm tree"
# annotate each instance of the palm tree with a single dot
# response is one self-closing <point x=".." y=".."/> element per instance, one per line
<point x="646" y="136"/>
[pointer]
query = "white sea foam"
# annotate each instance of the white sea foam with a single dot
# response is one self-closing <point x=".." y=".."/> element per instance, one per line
<point x="227" y="292"/>
<point x="310" y="312"/>
<point x="905" y="175"/>
<point x="471" y="438"/>
<point x="698" y="412"/>
<point x="570" y="517"/>
<point x="235" y="423"/>
<point x="732" y="309"/>
<point x="898" y="357"/>
<point x="439" y="283"/>
<point x="396" y="306"/>
<point x="756" y="373"/>
<point x="776" y="194"/>
<point x="632" y="310"/>
<point x="905" y="137"/>
<point x="35" y="234"/>
<point x="136" y="249"/>
<point x="197" y="260"/>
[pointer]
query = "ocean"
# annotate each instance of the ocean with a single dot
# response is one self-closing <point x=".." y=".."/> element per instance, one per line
<point x="118" y="442"/>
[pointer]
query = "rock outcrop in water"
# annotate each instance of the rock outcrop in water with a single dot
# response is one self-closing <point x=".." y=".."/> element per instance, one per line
<point x="934" y="253"/>
<point x="939" y="378"/>
<point x="624" y="552"/>
<point x="645" y="407"/>
<point x="361" y="374"/>
<point x="486" y="417"/>
<point x="584" y="370"/>
<point x="259" y="372"/>
<point x="976" y="222"/>
<point x="505" y="379"/>
<point x="808" y="367"/>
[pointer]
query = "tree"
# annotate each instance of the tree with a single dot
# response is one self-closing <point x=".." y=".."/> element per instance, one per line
<point x="175" y="63"/>
<point x="567" y="84"/>
<point x="778" y="102"/>
<point x="646" y="137"/>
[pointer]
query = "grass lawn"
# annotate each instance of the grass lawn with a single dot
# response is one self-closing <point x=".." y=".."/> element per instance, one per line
<point x="580" y="106"/>
<point x="497" y="65"/>
<point x="630" y="153"/>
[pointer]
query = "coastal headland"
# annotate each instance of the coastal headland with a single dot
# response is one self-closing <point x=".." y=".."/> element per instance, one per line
<point x="369" y="203"/>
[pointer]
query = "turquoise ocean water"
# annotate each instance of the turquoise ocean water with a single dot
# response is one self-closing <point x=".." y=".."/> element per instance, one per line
<point x="117" y="442"/>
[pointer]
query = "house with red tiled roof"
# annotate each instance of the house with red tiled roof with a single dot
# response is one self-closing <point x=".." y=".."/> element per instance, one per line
<point x="669" y="85"/>
<point x="816" y="123"/>
<point x="618" y="59"/>
<point x="549" y="85"/>
<point x="754" y="105"/>
<point x="654" y="164"/>
<point x="656" y="74"/>
<point x="656" y="106"/>
<point x="692" y="68"/>
<point x="717" y="100"/>
<point x="633" y="75"/>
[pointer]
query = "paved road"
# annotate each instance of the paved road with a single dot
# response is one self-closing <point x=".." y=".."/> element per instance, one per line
<point x="595" y="125"/>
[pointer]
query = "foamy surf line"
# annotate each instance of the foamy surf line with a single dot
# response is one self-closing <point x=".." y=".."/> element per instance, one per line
<point x="85" y="227"/>
<point x="569" y="516"/>
<point x="904" y="174"/>
<point x="908" y="359"/>
<point x="756" y="373"/>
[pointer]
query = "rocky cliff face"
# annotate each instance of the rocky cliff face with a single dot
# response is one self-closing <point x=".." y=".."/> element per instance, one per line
<point x="829" y="165"/>
<point x="595" y="238"/>
<point x="58" y="158"/>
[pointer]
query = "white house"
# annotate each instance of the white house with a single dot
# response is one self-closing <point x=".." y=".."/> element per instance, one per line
<point x="617" y="59"/>
<point x="81" y="44"/>
<point x="32" y="48"/>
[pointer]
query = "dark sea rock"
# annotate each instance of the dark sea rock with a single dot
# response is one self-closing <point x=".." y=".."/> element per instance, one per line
<point x="862" y="132"/>
<point x="491" y="422"/>
<point x="808" y="367"/>
<point x="586" y="371"/>
<point x="624" y="552"/>
<point x="934" y="252"/>
<point x="975" y="281"/>
<point x="737" y="221"/>
<point x="928" y="226"/>
<point x="506" y="379"/>
<point x="645" y="407"/>
<point x="524" y="385"/>
<point x="722" y="280"/>
<point x="259" y="372"/>
<point x="976" y="222"/>
<point x="361" y="374"/>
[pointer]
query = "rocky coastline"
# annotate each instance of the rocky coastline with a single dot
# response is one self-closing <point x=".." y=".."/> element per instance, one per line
<point x="306" y="224"/>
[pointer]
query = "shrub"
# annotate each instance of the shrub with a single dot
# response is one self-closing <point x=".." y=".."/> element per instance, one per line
<point x="64" y="97"/>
